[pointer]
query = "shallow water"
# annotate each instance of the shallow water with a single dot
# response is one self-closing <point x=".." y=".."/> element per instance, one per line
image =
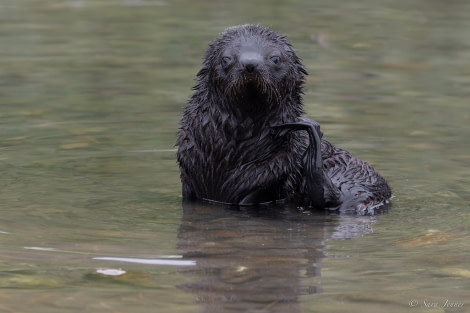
<point x="90" y="96"/>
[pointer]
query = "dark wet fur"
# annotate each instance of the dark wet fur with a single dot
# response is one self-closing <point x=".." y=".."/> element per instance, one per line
<point x="245" y="141"/>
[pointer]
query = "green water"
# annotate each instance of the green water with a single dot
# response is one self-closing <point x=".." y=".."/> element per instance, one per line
<point x="90" y="97"/>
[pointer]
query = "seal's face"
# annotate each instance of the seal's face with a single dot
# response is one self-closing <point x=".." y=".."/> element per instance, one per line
<point x="252" y="66"/>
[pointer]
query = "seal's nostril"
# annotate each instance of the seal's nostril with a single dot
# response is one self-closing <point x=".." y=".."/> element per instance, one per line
<point x="250" y="67"/>
<point x="250" y="60"/>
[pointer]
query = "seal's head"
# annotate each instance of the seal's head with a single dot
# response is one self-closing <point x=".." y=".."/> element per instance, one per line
<point x="250" y="65"/>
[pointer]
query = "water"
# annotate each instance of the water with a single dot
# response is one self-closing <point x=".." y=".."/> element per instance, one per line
<point x="90" y="96"/>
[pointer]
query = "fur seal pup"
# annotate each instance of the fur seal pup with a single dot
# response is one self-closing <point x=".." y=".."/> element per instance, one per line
<point x="244" y="139"/>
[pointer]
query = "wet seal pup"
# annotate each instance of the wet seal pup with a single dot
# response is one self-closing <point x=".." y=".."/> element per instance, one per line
<point x="244" y="139"/>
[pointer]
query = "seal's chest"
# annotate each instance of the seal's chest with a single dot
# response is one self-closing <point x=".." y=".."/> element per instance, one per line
<point x="249" y="145"/>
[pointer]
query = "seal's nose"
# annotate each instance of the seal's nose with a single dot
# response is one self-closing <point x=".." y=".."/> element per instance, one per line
<point x="250" y="67"/>
<point x="250" y="61"/>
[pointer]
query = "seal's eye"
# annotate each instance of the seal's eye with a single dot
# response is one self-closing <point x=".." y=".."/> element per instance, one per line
<point x="226" y="60"/>
<point x="275" y="59"/>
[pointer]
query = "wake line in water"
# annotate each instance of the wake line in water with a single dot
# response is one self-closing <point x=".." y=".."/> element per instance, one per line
<point x="168" y="260"/>
<point x="149" y="261"/>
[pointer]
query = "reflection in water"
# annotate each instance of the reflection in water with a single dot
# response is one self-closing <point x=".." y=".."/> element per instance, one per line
<point x="258" y="260"/>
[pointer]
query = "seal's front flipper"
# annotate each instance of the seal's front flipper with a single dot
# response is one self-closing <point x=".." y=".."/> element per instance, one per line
<point x="319" y="188"/>
<point x="314" y="147"/>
